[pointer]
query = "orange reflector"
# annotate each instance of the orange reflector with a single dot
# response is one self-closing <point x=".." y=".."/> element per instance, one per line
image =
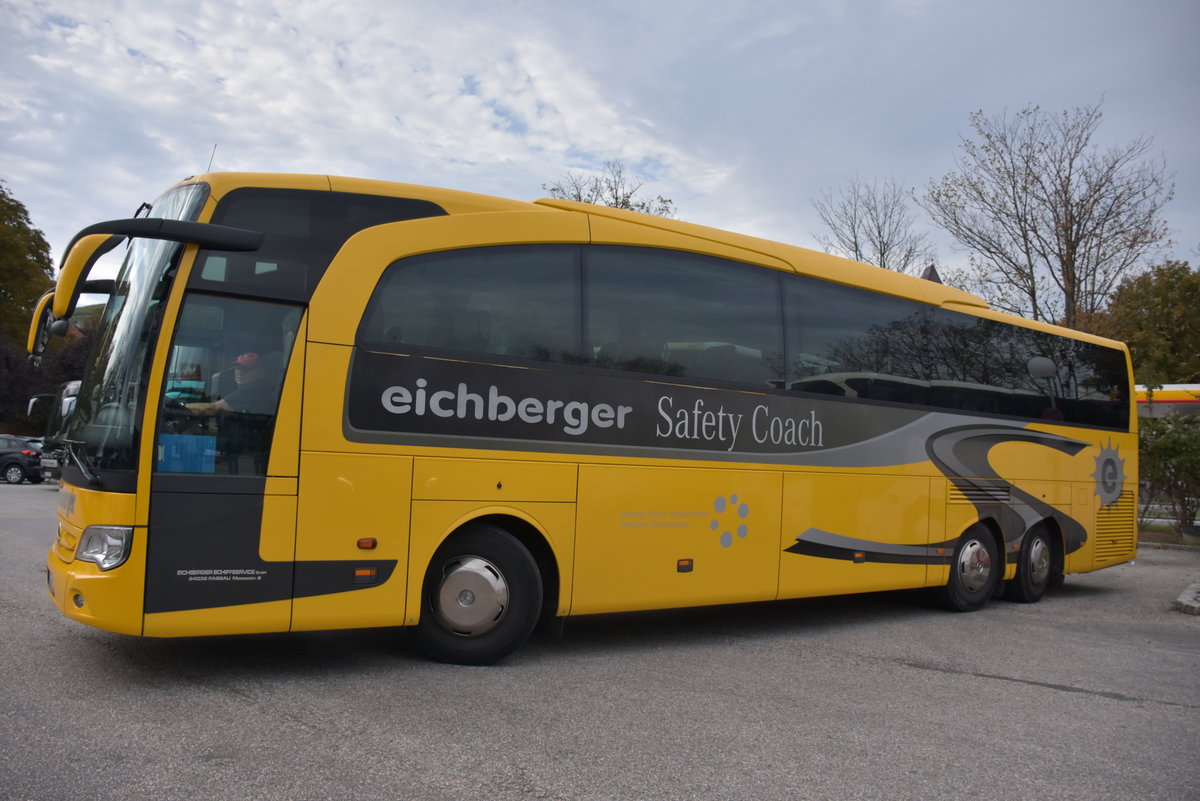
<point x="860" y="557"/>
<point x="684" y="566"/>
<point x="364" y="575"/>
<point x="367" y="543"/>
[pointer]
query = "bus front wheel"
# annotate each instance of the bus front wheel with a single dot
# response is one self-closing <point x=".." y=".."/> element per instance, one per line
<point x="974" y="570"/>
<point x="481" y="599"/>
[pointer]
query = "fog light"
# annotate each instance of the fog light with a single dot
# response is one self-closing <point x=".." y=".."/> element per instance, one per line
<point x="106" y="546"/>
<point x="77" y="599"/>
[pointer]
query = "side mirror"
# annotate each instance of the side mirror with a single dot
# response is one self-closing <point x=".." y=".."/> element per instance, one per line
<point x="36" y="401"/>
<point x="39" y="328"/>
<point x="1042" y="368"/>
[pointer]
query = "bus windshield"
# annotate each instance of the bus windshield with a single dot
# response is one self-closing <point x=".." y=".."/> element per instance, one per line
<point x="112" y="392"/>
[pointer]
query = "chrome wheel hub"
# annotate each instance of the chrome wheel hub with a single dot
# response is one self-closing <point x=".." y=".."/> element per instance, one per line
<point x="1039" y="561"/>
<point x="974" y="566"/>
<point x="472" y="596"/>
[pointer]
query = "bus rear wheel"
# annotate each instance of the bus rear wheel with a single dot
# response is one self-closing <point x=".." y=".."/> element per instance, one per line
<point x="1035" y="569"/>
<point x="481" y="599"/>
<point x="974" y="571"/>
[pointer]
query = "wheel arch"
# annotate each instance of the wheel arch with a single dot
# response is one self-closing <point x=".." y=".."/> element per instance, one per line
<point x="992" y="526"/>
<point x="538" y="545"/>
<point x="530" y="534"/>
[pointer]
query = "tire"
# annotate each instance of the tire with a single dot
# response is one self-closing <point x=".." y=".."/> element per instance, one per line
<point x="14" y="474"/>
<point x="36" y="478"/>
<point x="974" y="571"/>
<point x="481" y="598"/>
<point x="1036" y="568"/>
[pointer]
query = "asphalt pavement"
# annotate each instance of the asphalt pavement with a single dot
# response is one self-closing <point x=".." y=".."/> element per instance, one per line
<point x="1090" y="694"/>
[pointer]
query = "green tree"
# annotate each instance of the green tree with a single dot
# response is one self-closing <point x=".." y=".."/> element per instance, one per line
<point x="25" y="271"/>
<point x="1156" y="314"/>
<point x="610" y="187"/>
<point x="1169" y="450"/>
<point x="1052" y="221"/>
<point x="25" y="268"/>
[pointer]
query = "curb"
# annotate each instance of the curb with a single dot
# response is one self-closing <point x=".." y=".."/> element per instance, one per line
<point x="1189" y="601"/>
<point x="1166" y="546"/>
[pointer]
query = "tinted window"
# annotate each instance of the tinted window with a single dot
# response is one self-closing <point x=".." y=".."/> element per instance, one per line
<point x="687" y="316"/>
<point x="223" y="382"/>
<point x="850" y="342"/>
<point x="516" y="302"/>
<point x="843" y="341"/>
<point x="304" y="230"/>
<point x="680" y="314"/>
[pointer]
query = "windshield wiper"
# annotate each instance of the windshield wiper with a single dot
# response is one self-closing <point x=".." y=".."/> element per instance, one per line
<point x="83" y="462"/>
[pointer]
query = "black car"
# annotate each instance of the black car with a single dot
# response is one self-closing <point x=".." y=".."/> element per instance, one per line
<point x="19" y="460"/>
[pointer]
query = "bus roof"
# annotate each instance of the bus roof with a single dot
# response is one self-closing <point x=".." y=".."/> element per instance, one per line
<point x="798" y="259"/>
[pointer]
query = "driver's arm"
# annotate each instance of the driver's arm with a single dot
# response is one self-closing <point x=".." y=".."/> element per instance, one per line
<point x="209" y="409"/>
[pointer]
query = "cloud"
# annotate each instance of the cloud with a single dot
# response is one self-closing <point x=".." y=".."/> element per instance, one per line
<point x="138" y="97"/>
<point x="738" y="112"/>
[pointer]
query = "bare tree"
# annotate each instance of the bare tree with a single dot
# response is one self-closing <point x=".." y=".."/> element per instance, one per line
<point x="610" y="187"/>
<point x="1052" y="221"/>
<point x="873" y="223"/>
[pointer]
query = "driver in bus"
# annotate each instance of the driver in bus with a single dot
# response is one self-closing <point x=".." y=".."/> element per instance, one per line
<point x="252" y="395"/>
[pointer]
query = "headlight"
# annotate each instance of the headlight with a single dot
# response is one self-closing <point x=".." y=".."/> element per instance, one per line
<point x="107" y="546"/>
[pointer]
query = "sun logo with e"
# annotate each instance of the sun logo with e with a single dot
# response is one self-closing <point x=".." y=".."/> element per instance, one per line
<point x="730" y="519"/>
<point x="1109" y="475"/>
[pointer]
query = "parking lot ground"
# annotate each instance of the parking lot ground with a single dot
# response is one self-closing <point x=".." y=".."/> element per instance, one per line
<point x="1091" y="694"/>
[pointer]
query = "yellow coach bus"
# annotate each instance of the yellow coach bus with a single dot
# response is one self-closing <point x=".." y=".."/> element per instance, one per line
<point x="320" y="402"/>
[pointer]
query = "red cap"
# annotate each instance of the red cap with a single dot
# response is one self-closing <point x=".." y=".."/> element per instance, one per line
<point x="246" y="360"/>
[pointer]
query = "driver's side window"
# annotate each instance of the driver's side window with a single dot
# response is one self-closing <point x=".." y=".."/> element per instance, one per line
<point x="221" y="392"/>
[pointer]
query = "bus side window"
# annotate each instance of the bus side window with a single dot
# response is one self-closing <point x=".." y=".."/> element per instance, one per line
<point x="515" y="301"/>
<point x="682" y="314"/>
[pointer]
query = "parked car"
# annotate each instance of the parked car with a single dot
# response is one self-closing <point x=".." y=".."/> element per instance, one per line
<point x="52" y="463"/>
<point x="19" y="460"/>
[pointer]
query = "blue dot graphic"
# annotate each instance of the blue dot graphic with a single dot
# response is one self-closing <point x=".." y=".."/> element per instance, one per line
<point x="742" y="510"/>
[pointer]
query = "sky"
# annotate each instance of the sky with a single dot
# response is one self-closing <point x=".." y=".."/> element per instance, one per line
<point x="739" y="112"/>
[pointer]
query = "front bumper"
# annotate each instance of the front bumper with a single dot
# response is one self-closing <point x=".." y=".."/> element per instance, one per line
<point x="109" y="600"/>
